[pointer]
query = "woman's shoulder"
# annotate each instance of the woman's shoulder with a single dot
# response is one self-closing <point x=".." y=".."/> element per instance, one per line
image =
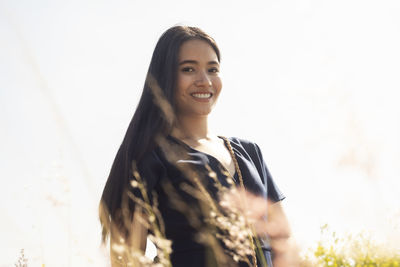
<point x="245" y="145"/>
<point x="243" y="142"/>
<point x="151" y="167"/>
<point x="152" y="155"/>
<point x="162" y="152"/>
<point x="240" y="140"/>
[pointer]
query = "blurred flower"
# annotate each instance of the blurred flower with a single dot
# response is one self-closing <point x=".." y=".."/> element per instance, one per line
<point x="267" y="219"/>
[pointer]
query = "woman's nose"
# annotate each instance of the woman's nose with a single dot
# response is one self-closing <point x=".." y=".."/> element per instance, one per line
<point x="202" y="80"/>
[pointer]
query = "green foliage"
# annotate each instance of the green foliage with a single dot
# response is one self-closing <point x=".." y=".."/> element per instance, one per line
<point x="351" y="251"/>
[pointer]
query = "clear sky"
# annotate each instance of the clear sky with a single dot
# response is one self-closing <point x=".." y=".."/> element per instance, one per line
<point x="315" y="83"/>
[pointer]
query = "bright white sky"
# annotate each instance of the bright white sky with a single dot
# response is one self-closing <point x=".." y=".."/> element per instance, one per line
<point x="315" y="83"/>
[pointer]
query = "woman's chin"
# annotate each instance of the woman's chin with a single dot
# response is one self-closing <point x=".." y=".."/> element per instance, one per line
<point x="196" y="112"/>
<point x="204" y="112"/>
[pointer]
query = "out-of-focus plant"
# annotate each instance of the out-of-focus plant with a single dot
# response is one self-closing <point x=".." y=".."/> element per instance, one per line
<point x="255" y="209"/>
<point x="351" y="251"/>
<point x="148" y="215"/>
<point x="223" y="224"/>
<point x="22" y="261"/>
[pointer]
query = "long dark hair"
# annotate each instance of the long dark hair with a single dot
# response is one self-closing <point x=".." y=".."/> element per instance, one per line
<point x="154" y="117"/>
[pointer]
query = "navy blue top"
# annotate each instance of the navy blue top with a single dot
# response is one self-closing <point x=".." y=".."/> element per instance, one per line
<point x="169" y="171"/>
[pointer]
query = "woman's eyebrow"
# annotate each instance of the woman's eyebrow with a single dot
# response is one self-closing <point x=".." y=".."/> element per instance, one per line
<point x="190" y="61"/>
<point x="213" y="62"/>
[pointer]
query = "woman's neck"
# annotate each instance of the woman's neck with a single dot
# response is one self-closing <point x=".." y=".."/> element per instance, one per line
<point x="191" y="128"/>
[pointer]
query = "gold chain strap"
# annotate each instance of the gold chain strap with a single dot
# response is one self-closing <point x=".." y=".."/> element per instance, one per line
<point x="242" y="185"/>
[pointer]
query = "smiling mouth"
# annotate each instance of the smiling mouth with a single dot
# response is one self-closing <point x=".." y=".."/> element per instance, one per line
<point x="202" y="95"/>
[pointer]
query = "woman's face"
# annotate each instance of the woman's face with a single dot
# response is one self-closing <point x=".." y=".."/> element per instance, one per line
<point x="198" y="81"/>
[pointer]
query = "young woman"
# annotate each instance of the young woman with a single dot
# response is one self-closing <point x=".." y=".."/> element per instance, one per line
<point x="184" y="168"/>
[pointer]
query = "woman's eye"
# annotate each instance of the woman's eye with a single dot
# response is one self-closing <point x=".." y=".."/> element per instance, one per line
<point x="213" y="70"/>
<point x="188" y="69"/>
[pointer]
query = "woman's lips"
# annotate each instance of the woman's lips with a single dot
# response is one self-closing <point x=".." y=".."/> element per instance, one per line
<point x="201" y="95"/>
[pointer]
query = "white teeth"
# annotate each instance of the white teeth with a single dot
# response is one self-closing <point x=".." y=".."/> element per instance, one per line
<point x="208" y="95"/>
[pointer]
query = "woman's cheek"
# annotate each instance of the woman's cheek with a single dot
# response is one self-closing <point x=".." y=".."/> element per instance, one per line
<point x="184" y="82"/>
<point x="217" y="84"/>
